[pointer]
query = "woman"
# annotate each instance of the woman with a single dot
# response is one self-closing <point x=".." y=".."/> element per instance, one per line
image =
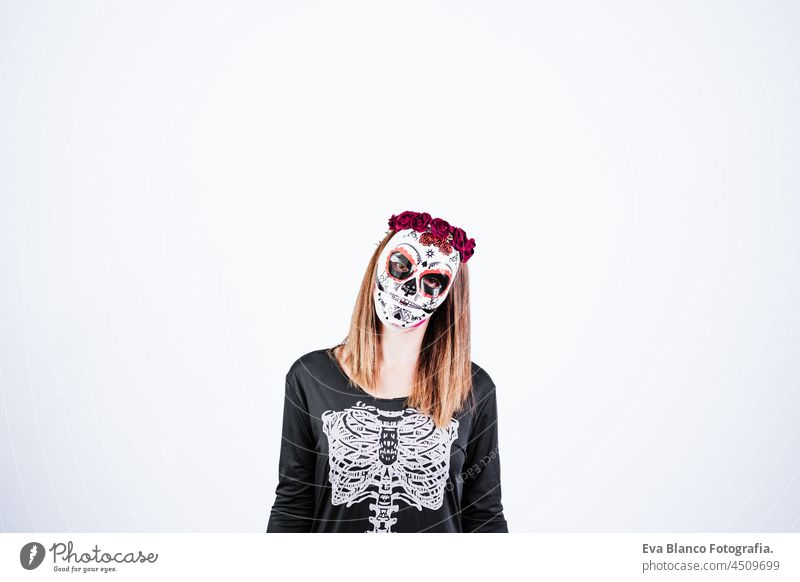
<point x="395" y="429"/>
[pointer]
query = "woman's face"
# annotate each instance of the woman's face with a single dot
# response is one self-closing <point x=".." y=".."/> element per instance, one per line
<point x="415" y="272"/>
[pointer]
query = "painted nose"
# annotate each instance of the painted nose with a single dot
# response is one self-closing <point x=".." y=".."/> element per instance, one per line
<point x="409" y="288"/>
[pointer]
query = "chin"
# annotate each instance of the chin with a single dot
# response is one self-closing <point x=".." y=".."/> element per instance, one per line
<point x="400" y="327"/>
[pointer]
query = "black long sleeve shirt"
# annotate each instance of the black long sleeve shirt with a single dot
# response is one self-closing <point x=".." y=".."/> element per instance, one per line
<point x="351" y="462"/>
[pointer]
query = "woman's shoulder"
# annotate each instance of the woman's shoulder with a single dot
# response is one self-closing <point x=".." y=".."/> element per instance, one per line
<point x="483" y="386"/>
<point x="481" y="378"/>
<point x="312" y="364"/>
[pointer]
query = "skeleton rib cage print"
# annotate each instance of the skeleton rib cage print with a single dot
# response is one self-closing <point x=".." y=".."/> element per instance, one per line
<point x="386" y="456"/>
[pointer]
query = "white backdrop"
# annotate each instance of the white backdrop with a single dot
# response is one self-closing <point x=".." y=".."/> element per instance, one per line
<point x="189" y="194"/>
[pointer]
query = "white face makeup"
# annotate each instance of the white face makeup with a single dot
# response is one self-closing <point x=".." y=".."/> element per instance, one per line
<point x="413" y="278"/>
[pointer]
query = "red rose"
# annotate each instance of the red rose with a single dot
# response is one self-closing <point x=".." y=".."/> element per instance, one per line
<point x="459" y="237"/>
<point x="440" y="228"/>
<point x="404" y="220"/>
<point x="468" y="250"/>
<point x="421" y="221"/>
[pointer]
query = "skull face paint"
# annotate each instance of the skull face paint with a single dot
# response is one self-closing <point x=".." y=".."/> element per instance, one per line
<point x="413" y="277"/>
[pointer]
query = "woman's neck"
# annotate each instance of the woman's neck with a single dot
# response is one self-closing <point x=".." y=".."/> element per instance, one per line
<point x="400" y="347"/>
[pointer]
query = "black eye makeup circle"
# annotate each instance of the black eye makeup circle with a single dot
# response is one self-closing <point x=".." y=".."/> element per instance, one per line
<point x="434" y="283"/>
<point x="400" y="265"/>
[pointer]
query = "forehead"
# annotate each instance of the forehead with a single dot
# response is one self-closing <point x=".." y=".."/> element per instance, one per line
<point x="409" y="239"/>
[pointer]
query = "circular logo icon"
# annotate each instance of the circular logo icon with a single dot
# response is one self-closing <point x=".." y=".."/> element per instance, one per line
<point x="31" y="555"/>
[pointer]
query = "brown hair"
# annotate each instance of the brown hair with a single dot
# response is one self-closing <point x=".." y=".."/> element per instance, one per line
<point x="443" y="378"/>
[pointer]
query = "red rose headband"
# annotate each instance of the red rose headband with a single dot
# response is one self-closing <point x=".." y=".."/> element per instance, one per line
<point x="441" y="233"/>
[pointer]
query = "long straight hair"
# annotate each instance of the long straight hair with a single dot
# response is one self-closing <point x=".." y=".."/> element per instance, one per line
<point x="442" y="381"/>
